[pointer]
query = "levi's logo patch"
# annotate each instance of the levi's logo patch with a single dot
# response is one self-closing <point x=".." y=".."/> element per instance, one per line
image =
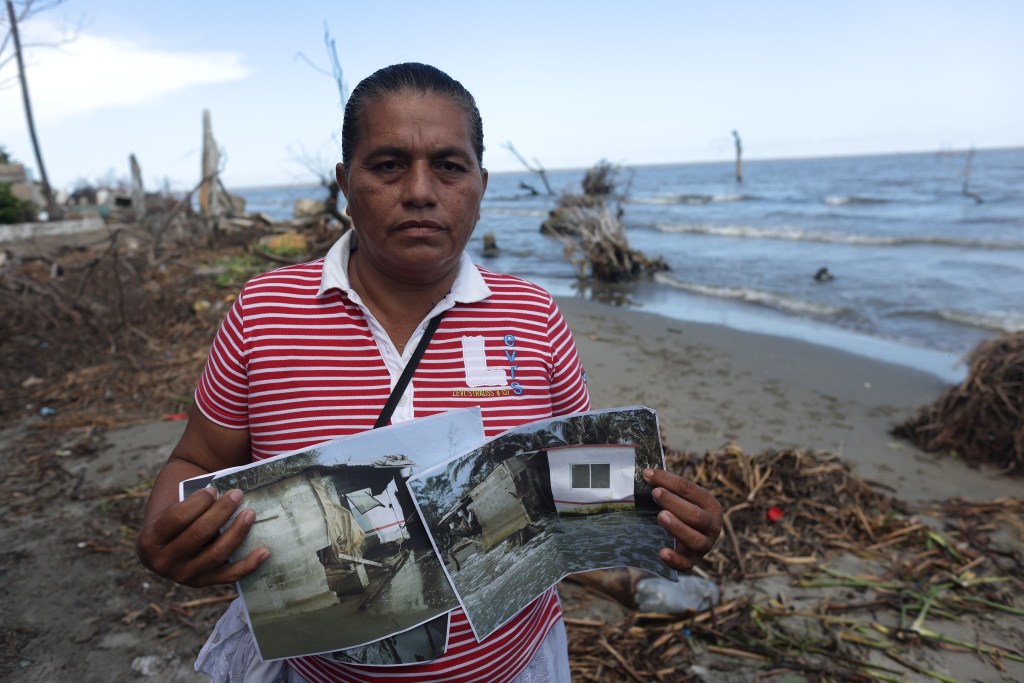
<point x="480" y="374"/>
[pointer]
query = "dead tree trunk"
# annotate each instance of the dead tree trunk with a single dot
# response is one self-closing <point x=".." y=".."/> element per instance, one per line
<point x="967" y="179"/>
<point x="138" y="191"/>
<point x="739" y="157"/>
<point x="209" y="204"/>
<point x="51" y="205"/>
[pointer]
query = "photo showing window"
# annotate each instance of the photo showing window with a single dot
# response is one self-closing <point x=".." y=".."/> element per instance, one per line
<point x="592" y="476"/>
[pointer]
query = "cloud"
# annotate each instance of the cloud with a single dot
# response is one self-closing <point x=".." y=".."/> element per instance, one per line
<point x="95" y="72"/>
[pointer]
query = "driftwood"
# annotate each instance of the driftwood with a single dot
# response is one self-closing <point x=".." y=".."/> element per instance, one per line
<point x="981" y="419"/>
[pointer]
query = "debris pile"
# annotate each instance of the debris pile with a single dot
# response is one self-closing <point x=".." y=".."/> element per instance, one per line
<point x="114" y="327"/>
<point x="982" y="418"/>
<point x="906" y="582"/>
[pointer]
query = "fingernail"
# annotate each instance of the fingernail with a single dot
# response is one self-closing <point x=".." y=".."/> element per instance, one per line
<point x="648" y="474"/>
<point x="247" y="516"/>
<point x="235" y="495"/>
<point x="664" y="517"/>
<point x="264" y="554"/>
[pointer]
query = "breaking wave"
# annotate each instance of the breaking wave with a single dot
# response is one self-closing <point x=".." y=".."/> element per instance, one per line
<point x="754" y="296"/>
<point x="999" y="322"/>
<point x="691" y="199"/>
<point x="800" y="235"/>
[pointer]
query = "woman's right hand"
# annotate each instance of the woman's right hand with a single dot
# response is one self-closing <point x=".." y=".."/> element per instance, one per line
<point x="183" y="542"/>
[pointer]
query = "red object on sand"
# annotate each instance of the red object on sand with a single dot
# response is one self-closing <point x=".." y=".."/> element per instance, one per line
<point x="774" y="513"/>
<point x="174" y="417"/>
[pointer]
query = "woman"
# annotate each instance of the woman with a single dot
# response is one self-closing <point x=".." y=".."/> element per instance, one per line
<point x="310" y="353"/>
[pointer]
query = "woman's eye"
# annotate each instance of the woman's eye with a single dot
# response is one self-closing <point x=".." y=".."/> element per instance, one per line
<point x="451" y="167"/>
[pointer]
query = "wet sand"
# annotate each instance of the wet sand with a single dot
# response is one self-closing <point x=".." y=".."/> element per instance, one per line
<point x="711" y="384"/>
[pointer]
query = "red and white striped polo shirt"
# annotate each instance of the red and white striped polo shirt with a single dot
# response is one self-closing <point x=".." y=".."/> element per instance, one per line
<point x="298" y="361"/>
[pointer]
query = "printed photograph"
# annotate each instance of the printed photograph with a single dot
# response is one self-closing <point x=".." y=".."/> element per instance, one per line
<point x="513" y="517"/>
<point x="350" y="562"/>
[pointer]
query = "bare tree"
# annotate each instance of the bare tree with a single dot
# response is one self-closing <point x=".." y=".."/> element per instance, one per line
<point x="27" y="9"/>
<point x="51" y="205"/>
<point x="23" y="11"/>
<point x="324" y="171"/>
<point x="536" y="168"/>
<point x="335" y="73"/>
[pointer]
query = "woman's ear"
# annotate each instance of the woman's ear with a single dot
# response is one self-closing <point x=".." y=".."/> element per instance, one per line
<point x="339" y="173"/>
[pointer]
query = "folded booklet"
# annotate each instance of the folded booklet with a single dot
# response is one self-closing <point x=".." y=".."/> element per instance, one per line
<point x="375" y="537"/>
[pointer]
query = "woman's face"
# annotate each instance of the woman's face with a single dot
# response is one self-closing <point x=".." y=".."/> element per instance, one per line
<point x="414" y="187"/>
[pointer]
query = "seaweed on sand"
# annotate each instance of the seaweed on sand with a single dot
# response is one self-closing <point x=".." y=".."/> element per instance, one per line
<point x="982" y="418"/>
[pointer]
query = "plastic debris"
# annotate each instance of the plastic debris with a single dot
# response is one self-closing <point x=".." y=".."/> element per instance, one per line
<point x="690" y="594"/>
<point x="146" y="666"/>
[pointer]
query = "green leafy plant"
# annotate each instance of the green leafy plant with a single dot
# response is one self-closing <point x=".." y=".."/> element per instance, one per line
<point x="13" y="209"/>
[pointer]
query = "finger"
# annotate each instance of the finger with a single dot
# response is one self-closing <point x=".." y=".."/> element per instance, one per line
<point x="229" y="573"/>
<point x="216" y="552"/>
<point x="688" y="540"/>
<point x="678" y="561"/>
<point x="196" y="549"/>
<point x="684" y="488"/>
<point x="204" y="528"/>
<point x="691" y="515"/>
<point x="170" y="523"/>
<point x="692" y="505"/>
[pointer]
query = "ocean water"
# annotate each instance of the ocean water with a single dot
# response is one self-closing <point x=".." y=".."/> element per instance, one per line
<point x="922" y="272"/>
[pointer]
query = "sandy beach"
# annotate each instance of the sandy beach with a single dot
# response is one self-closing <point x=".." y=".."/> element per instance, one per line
<point x="712" y="384"/>
<point x="76" y="607"/>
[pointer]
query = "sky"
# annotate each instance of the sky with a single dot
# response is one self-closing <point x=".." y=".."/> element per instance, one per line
<point x="568" y="83"/>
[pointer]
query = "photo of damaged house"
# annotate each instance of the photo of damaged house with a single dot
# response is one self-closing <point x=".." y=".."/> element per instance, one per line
<point x="350" y="563"/>
<point x="534" y="504"/>
<point x="522" y="492"/>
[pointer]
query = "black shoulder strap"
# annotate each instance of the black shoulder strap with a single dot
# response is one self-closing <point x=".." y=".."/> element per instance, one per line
<point x="410" y="367"/>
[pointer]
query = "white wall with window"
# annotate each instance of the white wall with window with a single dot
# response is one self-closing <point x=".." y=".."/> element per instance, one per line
<point x="592" y="476"/>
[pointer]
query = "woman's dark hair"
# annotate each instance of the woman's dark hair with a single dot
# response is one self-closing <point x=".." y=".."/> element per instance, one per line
<point x="409" y="77"/>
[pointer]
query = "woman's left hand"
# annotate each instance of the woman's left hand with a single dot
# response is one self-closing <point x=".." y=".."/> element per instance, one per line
<point x="691" y="514"/>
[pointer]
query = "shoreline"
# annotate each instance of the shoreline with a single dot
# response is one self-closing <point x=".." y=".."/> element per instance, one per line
<point x="663" y="301"/>
<point x="711" y="384"/>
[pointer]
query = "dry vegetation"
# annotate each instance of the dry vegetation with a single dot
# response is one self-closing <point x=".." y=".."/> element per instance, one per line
<point x="860" y="588"/>
<point x="982" y="418"/>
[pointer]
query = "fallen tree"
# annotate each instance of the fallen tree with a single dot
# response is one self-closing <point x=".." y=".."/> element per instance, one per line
<point x="594" y="238"/>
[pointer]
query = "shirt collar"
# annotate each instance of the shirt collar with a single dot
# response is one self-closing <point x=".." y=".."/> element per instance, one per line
<point x="469" y="285"/>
